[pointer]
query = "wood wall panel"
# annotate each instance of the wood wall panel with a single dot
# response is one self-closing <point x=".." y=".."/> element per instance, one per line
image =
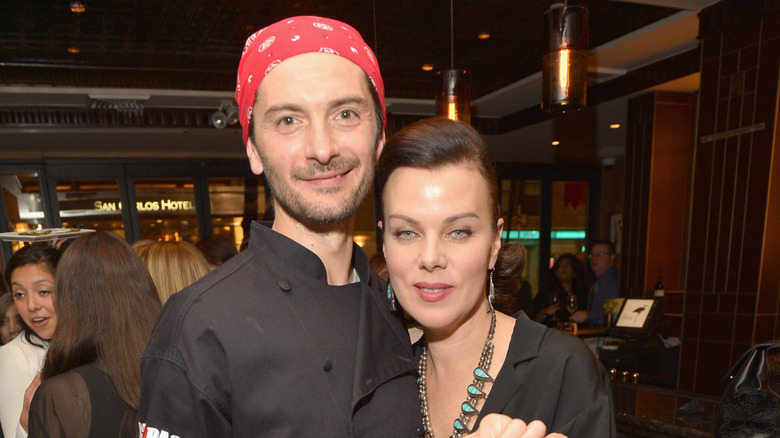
<point x="733" y="267"/>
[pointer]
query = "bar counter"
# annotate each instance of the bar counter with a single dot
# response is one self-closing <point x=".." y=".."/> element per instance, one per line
<point x="648" y="411"/>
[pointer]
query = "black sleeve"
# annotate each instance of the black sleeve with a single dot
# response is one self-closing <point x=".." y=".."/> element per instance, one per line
<point x="171" y="403"/>
<point x="60" y="408"/>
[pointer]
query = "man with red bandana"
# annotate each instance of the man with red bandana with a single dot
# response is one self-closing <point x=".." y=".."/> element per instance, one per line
<point x="292" y="337"/>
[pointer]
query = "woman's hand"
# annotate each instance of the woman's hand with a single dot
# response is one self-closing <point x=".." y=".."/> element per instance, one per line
<point x="501" y="426"/>
<point x="28" y="395"/>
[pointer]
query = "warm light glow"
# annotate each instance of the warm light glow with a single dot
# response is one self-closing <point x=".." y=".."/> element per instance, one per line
<point x="74" y="50"/>
<point x="563" y="69"/>
<point x="556" y="143"/>
<point x="483" y="35"/>
<point x="427" y="67"/>
<point x="361" y="240"/>
<point x="614" y="126"/>
<point x="452" y="111"/>
<point x="77" y="7"/>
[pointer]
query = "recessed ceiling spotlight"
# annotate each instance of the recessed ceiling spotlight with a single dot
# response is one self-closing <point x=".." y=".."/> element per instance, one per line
<point x="74" y="50"/>
<point x="483" y="35"/>
<point x="77" y="7"/>
<point x="556" y="143"/>
<point x="614" y="126"/>
<point x="427" y="67"/>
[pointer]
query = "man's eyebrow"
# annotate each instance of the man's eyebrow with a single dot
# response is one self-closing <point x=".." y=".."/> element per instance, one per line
<point x="282" y="107"/>
<point x="353" y="100"/>
<point x="291" y="107"/>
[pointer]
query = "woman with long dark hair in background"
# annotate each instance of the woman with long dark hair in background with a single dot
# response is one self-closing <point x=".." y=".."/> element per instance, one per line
<point x="567" y="278"/>
<point x="106" y="306"/>
<point x="30" y="275"/>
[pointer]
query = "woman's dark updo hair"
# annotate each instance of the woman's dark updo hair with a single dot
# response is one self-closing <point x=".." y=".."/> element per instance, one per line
<point x="36" y="254"/>
<point x="434" y="143"/>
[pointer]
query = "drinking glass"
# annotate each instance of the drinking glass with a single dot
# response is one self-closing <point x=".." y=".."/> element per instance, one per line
<point x="571" y="303"/>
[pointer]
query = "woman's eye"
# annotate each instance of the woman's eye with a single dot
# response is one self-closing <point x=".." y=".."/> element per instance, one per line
<point x="18" y="295"/>
<point x="44" y="292"/>
<point x="404" y="234"/>
<point x="460" y="234"/>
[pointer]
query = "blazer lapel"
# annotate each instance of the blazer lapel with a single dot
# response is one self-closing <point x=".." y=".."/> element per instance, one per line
<point x="524" y="346"/>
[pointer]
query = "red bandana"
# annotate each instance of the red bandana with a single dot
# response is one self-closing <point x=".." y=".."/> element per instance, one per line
<point x="270" y="46"/>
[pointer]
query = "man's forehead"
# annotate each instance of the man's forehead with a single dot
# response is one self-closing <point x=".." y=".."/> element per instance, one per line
<point x="301" y="67"/>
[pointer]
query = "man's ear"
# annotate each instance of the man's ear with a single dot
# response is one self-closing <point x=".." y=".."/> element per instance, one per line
<point x="254" y="158"/>
<point x="380" y="144"/>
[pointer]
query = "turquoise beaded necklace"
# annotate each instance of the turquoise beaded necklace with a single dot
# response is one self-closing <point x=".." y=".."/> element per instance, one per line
<point x="474" y="390"/>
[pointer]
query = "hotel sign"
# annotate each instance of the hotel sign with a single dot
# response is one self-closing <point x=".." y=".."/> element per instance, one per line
<point x="147" y="206"/>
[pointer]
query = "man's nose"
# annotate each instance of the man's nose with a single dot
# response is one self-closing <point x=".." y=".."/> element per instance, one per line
<point x="321" y="145"/>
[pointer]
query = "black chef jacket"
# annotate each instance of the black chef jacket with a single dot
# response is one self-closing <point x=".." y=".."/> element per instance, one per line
<point x="252" y="349"/>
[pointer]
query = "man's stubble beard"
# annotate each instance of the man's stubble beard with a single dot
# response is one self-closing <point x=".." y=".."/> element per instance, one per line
<point x="309" y="212"/>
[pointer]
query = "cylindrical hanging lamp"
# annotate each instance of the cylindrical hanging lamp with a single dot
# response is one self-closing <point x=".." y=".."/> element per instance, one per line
<point x="565" y="66"/>
<point x="454" y="98"/>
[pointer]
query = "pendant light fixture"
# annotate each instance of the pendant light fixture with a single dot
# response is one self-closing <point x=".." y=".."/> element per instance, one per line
<point x="454" y="98"/>
<point x="565" y="65"/>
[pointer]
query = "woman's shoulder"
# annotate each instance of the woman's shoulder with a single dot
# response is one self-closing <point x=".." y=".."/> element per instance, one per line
<point x="21" y="348"/>
<point x="550" y="343"/>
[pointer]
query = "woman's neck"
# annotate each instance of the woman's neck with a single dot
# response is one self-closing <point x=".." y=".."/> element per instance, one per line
<point x="448" y="347"/>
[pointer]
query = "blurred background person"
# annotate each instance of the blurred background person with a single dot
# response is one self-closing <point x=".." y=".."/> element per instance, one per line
<point x="173" y="265"/>
<point x="217" y="249"/>
<point x="567" y="278"/>
<point x="11" y="324"/>
<point x="606" y="287"/>
<point x="107" y="305"/>
<point x="30" y="275"/>
<point x="512" y="293"/>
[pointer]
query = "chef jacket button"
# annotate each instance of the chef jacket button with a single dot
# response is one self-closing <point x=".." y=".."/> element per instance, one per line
<point x="285" y="285"/>
<point x="327" y="365"/>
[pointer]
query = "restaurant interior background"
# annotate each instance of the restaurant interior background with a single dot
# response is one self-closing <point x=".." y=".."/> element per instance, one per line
<point x="107" y="121"/>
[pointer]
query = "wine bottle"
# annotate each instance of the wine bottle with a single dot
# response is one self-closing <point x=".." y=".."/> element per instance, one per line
<point x="659" y="286"/>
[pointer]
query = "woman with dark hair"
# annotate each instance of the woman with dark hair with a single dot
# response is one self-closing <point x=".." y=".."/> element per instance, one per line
<point x="30" y="274"/>
<point x="567" y="278"/>
<point x="442" y="234"/>
<point x="11" y="324"/>
<point x="106" y="305"/>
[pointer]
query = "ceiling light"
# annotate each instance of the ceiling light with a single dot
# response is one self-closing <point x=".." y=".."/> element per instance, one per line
<point x="483" y="35"/>
<point x="454" y="98"/>
<point x="219" y="119"/>
<point x="74" y="50"/>
<point x="614" y="126"/>
<point x="427" y="67"/>
<point x="565" y="64"/>
<point x="556" y="143"/>
<point x="77" y="7"/>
